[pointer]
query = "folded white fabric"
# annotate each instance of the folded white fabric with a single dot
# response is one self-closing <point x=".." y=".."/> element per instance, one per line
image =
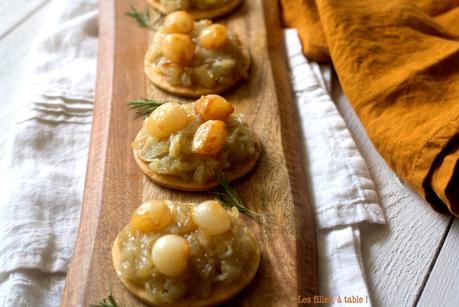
<point x="341" y="188"/>
<point x="44" y="164"/>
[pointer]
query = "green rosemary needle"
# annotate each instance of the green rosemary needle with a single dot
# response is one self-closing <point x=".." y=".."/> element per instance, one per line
<point x="229" y="197"/>
<point x="144" y="106"/>
<point x="143" y="18"/>
<point x="107" y="302"/>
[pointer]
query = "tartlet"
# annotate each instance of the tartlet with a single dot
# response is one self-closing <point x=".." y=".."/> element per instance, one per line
<point x="199" y="9"/>
<point x="189" y="146"/>
<point x="194" y="58"/>
<point x="183" y="254"/>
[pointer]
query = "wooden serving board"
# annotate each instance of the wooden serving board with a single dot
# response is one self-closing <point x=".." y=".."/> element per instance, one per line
<point x="115" y="186"/>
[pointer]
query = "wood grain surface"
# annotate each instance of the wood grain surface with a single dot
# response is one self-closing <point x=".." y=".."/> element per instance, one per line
<point x="398" y="256"/>
<point x="16" y="12"/>
<point x="276" y="188"/>
<point x="441" y="286"/>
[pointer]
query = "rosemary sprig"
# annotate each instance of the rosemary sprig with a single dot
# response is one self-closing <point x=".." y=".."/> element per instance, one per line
<point x="107" y="302"/>
<point x="229" y="197"/>
<point x="143" y="18"/>
<point x="144" y="106"/>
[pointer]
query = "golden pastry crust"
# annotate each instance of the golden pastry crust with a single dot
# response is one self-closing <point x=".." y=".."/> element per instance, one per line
<point x="174" y="182"/>
<point x="220" y="293"/>
<point x="202" y="14"/>
<point x="195" y="91"/>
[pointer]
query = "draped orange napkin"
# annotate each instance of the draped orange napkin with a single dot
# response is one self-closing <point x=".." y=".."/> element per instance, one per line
<point x="398" y="63"/>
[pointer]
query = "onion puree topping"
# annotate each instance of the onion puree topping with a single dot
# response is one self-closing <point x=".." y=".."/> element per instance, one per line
<point x="217" y="260"/>
<point x="192" y="59"/>
<point x="182" y="154"/>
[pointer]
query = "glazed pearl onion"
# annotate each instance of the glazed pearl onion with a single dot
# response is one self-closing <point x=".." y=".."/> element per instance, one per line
<point x="178" y="22"/>
<point x="167" y="119"/>
<point x="170" y="255"/>
<point x="211" y="217"/>
<point x="151" y="216"/>
<point x="213" y="107"/>
<point x="209" y="138"/>
<point x="178" y="48"/>
<point x="214" y="36"/>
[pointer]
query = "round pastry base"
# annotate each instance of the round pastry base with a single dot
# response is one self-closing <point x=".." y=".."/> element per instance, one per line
<point x="174" y="182"/>
<point x="196" y="92"/>
<point x="220" y="294"/>
<point x="202" y="14"/>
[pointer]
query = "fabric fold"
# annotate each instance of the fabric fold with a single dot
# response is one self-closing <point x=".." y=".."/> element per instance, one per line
<point x="44" y="163"/>
<point x="341" y="186"/>
<point x="341" y="189"/>
<point x="397" y="63"/>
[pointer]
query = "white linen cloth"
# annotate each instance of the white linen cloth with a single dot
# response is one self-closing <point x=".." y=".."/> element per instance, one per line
<point x="341" y="188"/>
<point x="44" y="162"/>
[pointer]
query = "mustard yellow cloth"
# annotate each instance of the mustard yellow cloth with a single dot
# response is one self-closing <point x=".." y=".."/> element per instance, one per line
<point x="398" y="63"/>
